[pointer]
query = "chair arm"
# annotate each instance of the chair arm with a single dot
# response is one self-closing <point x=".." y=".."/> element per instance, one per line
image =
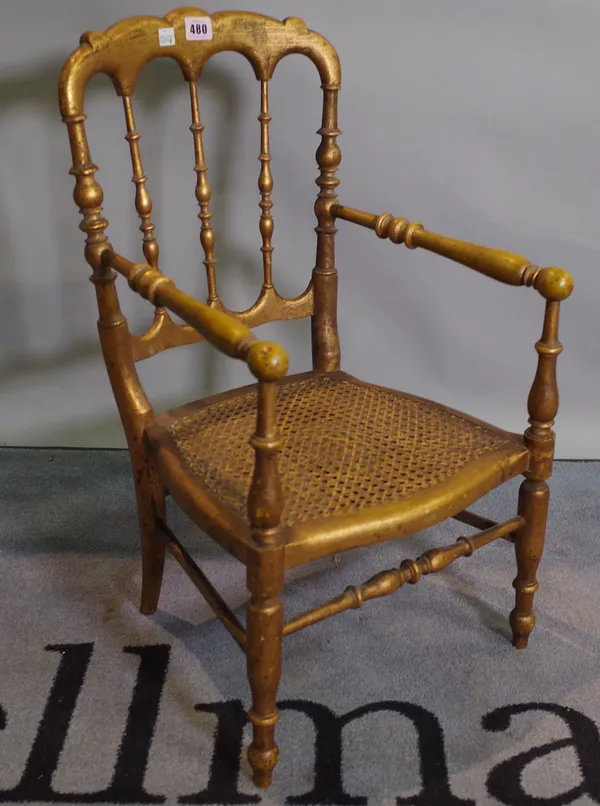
<point x="553" y="283"/>
<point x="266" y="360"/>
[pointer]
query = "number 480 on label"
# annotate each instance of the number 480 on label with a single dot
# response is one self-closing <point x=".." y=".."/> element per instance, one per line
<point x="198" y="28"/>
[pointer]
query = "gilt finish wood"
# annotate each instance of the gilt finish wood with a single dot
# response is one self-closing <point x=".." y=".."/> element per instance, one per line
<point x="308" y="538"/>
<point x="387" y="582"/>
<point x="553" y="283"/>
<point x="265" y="580"/>
<point x="312" y="449"/>
<point x="325" y="338"/>
<point x="143" y="205"/>
<point x="534" y="493"/>
<point x="265" y="185"/>
<point x="203" y="196"/>
<point x="121" y="52"/>
<point x="143" y="201"/>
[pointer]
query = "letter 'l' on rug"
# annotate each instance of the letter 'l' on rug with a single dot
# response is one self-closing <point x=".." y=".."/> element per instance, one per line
<point x="418" y="698"/>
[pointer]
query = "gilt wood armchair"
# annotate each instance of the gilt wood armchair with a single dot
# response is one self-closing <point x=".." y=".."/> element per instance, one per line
<point x="290" y="469"/>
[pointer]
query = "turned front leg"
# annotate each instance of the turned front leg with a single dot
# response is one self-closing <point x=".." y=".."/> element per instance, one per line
<point x="534" y="494"/>
<point x="529" y="546"/>
<point x="264" y="643"/>
<point x="265" y="571"/>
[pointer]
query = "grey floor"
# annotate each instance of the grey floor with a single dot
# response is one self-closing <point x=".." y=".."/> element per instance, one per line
<point x="448" y="705"/>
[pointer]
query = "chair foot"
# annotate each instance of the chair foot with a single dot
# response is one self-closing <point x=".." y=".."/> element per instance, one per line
<point x="148" y="604"/>
<point x="264" y="657"/>
<point x="263" y="763"/>
<point x="522" y="627"/>
<point x="529" y="546"/>
<point x="520" y="642"/>
<point x="153" y="564"/>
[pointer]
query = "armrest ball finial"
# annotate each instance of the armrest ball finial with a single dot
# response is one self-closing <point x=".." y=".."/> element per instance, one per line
<point x="554" y="283"/>
<point x="267" y="361"/>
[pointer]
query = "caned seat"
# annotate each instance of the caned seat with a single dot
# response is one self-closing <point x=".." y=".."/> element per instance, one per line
<point x="347" y="447"/>
<point x="291" y="469"/>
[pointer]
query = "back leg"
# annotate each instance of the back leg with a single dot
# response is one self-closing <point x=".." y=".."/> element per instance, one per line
<point x="151" y="508"/>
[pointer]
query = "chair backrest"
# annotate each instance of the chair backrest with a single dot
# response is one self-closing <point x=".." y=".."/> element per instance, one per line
<point x="191" y="36"/>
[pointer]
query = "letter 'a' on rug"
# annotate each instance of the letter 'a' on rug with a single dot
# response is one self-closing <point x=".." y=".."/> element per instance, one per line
<point x="428" y="703"/>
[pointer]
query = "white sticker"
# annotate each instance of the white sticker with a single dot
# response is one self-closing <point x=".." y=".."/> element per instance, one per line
<point x="166" y="36"/>
<point x="198" y="28"/>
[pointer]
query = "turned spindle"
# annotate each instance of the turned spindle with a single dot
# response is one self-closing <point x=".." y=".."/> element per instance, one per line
<point x="143" y="201"/>
<point x="265" y="186"/>
<point x="203" y="195"/>
<point x="325" y="338"/>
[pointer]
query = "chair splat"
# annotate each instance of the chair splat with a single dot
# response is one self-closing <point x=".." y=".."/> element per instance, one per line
<point x="121" y="52"/>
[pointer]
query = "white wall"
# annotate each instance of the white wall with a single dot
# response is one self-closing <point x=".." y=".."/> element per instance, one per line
<point x="479" y="118"/>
